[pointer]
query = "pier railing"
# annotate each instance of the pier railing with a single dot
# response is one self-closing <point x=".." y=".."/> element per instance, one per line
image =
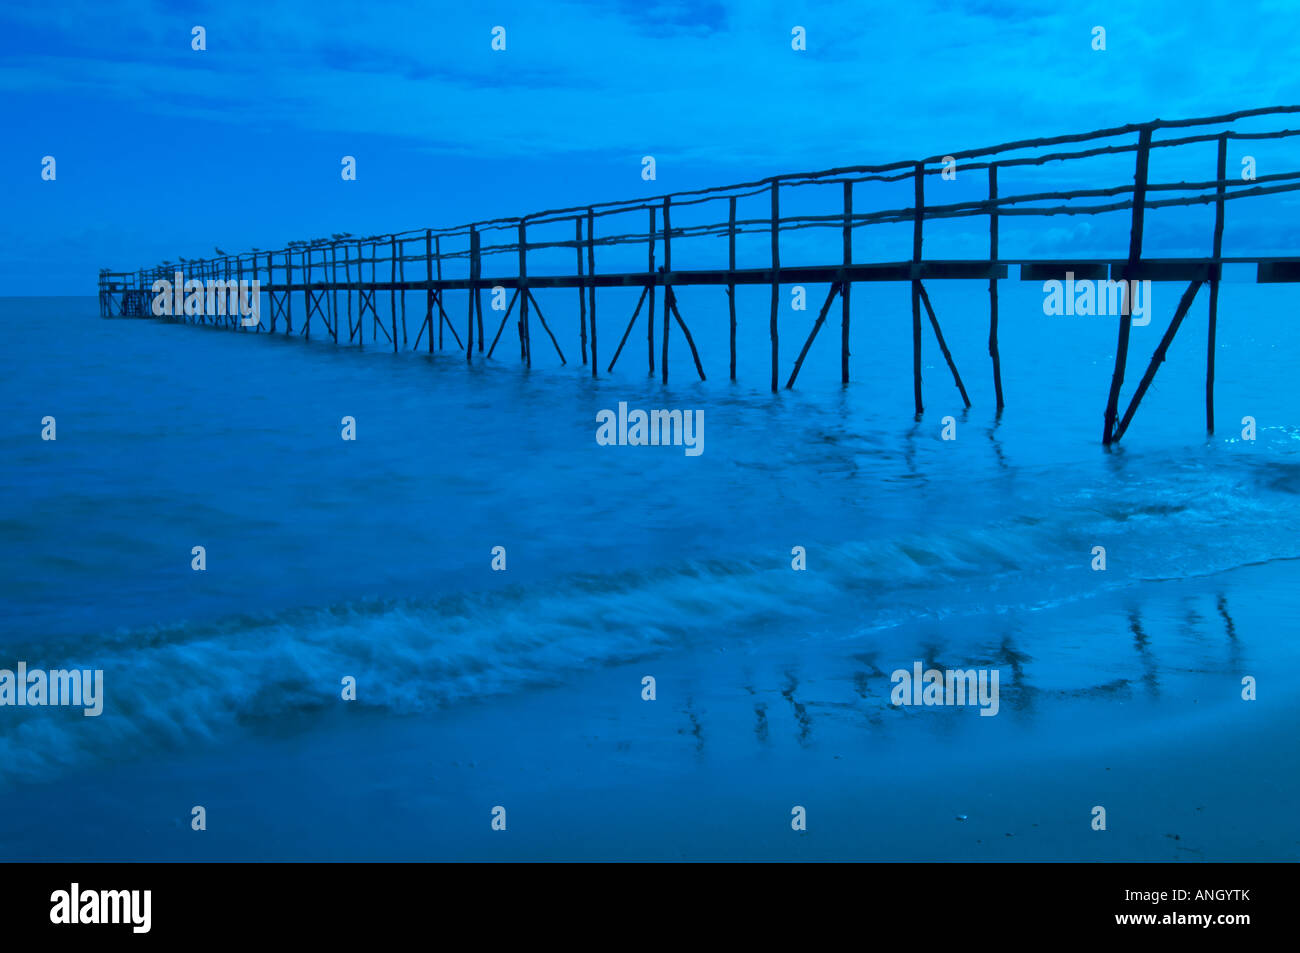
<point x="344" y="277"/>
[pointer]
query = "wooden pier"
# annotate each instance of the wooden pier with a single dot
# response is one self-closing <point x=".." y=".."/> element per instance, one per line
<point x="337" y="282"/>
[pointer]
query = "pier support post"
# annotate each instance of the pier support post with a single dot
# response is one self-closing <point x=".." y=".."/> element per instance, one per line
<point x="525" y="350"/>
<point x="1216" y="269"/>
<point x="347" y="278"/>
<point x="993" y="286"/>
<point x="392" y="294"/>
<point x="619" y="350"/>
<point x="427" y="326"/>
<point x="288" y="291"/>
<point x="668" y="264"/>
<point x="306" y="292"/>
<point x="238" y="322"/>
<point x="545" y="327"/>
<point x="362" y="297"/>
<point x="478" y="289"/>
<point x="776" y="267"/>
<point x="504" y="318"/>
<point x="444" y="320"/>
<point x="731" y="286"/>
<point x="671" y="300"/>
<point x="401" y="276"/>
<point x="472" y="295"/>
<point x="845" y="284"/>
<point x="943" y="345"/>
<point x="582" y="292"/>
<point x="1134" y="254"/>
<point x="375" y="325"/>
<point x="270" y="290"/>
<point x="812" y="335"/>
<point x="442" y="315"/>
<point x="334" y="281"/>
<point x="918" y="216"/>
<point x="1158" y="357"/>
<point x="650" y="285"/>
<point x="591" y="272"/>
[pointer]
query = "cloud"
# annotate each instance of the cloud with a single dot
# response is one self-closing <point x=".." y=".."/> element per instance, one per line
<point x="712" y="89"/>
<point x="713" y="82"/>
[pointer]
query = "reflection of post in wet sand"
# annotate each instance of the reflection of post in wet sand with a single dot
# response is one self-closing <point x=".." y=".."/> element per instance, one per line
<point x="1014" y="691"/>
<point x="866" y="685"/>
<point x="1150" y="675"/>
<point x="909" y="449"/>
<point x="997" y="444"/>
<point x="861" y="695"/>
<point x="861" y="680"/>
<point x="1192" y="619"/>
<point x="697" y="730"/>
<point x="761" y="731"/>
<point x="801" y="715"/>
<point x="1230" y="628"/>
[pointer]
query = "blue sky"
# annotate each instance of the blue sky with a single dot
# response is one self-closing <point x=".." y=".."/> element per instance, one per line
<point x="163" y="151"/>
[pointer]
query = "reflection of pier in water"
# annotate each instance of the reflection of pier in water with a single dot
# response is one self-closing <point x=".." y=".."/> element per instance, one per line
<point x="785" y="705"/>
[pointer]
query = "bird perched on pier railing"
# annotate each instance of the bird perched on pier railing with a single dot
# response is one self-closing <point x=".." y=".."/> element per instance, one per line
<point x="218" y="251"/>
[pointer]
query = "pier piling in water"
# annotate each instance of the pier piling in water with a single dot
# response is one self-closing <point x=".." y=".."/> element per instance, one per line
<point x="1215" y="275"/>
<point x="994" y="354"/>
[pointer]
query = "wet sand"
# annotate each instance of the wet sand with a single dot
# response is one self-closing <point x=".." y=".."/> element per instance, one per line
<point x="1130" y="701"/>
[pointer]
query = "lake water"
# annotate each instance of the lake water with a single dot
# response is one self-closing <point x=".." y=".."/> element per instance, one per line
<point x="372" y="558"/>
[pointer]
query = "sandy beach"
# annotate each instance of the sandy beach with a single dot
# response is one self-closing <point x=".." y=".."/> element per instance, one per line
<point x="1136" y="708"/>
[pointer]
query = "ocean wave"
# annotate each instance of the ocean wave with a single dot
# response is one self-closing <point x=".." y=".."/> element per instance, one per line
<point x="171" y="686"/>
